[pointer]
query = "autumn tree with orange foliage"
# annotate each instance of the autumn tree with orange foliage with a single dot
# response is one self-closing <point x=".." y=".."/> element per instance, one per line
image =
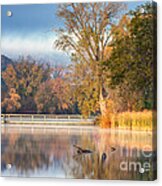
<point x="12" y="102"/>
<point x="25" y="76"/>
<point x="86" y="37"/>
<point x="54" y="96"/>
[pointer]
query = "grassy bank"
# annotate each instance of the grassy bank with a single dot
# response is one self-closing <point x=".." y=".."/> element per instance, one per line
<point x="145" y="120"/>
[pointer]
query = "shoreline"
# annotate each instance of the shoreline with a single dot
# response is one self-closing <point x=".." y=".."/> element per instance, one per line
<point x="71" y="127"/>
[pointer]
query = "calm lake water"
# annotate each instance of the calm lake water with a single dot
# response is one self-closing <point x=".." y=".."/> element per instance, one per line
<point x="50" y="153"/>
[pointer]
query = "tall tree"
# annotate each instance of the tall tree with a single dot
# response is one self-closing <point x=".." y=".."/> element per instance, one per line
<point x="132" y="60"/>
<point x="86" y="35"/>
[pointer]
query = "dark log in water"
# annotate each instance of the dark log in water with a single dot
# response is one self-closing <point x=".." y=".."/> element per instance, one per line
<point x="81" y="150"/>
<point x="113" y="149"/>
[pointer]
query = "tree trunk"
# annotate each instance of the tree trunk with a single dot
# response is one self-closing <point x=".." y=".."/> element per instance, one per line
<point x="102" y="103"/>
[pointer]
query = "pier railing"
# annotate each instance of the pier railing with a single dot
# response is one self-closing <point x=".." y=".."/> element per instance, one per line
<point x="45" y="119"/>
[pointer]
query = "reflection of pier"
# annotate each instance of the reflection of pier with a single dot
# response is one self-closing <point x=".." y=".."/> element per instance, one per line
<point x="46" y="119"/>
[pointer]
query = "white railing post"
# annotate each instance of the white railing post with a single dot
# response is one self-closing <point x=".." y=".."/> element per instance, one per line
<point x="44" y="117"/>
<point x="32" y="117"/>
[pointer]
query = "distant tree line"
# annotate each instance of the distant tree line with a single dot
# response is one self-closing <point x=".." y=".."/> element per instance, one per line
<point x="36" y="88"/>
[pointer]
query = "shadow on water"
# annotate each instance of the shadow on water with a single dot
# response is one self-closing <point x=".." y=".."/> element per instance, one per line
<point x="58" y="153"/>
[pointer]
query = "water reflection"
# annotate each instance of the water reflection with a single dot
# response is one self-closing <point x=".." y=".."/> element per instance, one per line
<point x="50" y="153"/>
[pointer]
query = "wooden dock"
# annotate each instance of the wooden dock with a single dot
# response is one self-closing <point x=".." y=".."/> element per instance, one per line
<point x="46" y="119"/>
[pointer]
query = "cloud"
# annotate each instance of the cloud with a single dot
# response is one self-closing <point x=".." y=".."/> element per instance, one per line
<point x="37" y="45"/>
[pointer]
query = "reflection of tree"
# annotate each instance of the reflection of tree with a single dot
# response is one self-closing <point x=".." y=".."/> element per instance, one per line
<point x="91" y="165"/>
<point x="54" y="151"/>
<point x="28" y="152"/>
<point x="25" y="155"/>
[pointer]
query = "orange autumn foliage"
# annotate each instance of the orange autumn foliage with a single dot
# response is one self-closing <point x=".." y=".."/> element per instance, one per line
<point x="12" y="102"/>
